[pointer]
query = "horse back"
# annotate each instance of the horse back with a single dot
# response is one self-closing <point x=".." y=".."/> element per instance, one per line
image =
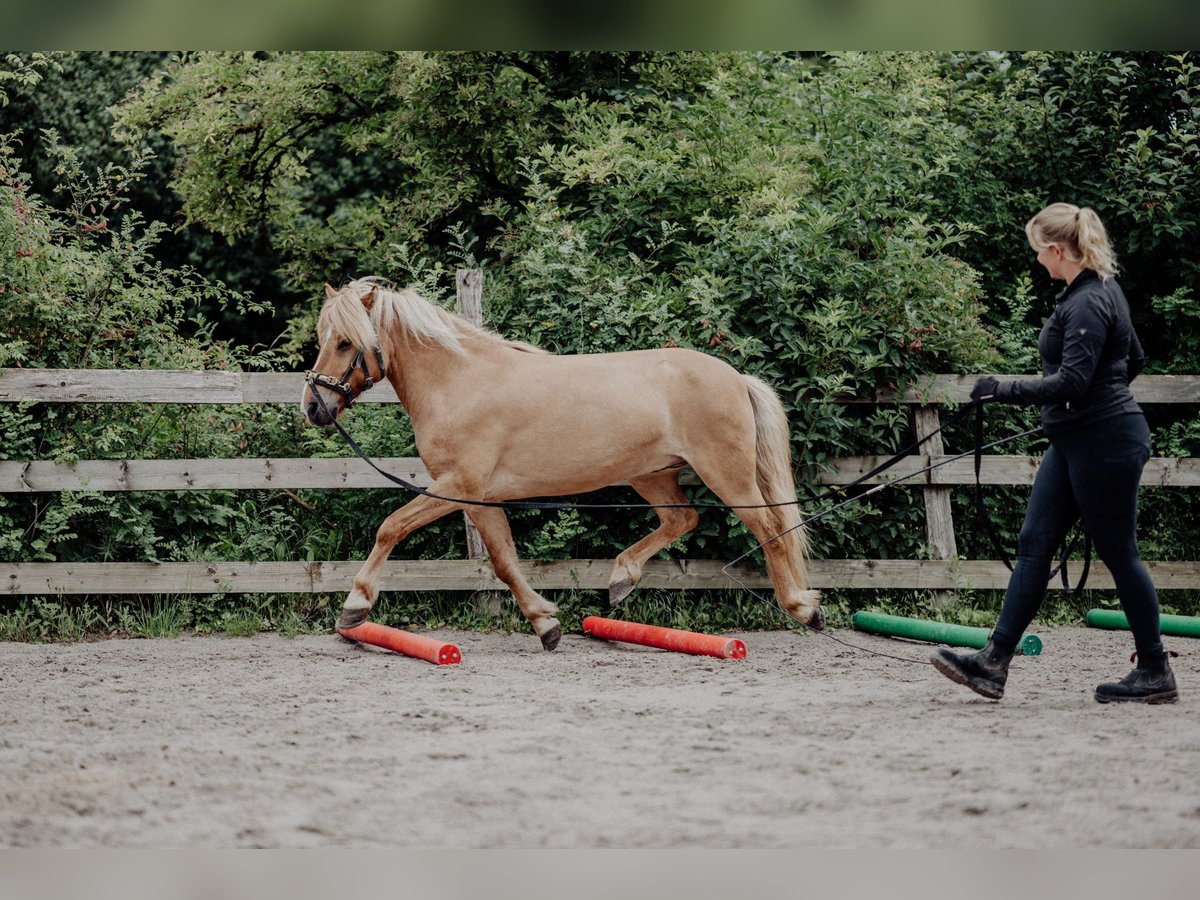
<point x="543" y="424"/>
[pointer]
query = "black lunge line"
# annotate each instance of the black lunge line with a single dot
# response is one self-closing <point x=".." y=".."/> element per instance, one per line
<point x="977" y="451"/>
<point x="544" y="504"/>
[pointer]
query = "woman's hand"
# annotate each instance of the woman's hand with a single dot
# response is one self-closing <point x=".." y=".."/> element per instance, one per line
<point x="986" y="388"/>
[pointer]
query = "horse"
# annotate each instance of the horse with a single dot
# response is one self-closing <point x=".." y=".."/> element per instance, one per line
<point x="500" y="420"/>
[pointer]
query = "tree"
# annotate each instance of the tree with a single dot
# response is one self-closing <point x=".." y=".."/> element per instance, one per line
<point x="1117" y="131"/>
<point x="64" y="101"/>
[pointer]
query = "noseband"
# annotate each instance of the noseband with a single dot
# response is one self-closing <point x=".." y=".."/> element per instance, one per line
<point x="342" y="385"/>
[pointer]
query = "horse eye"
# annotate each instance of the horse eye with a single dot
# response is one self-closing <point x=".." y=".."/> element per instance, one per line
<point x="344" y="345"/>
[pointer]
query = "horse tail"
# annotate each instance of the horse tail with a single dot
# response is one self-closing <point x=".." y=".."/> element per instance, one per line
<point x="773" y="472"/>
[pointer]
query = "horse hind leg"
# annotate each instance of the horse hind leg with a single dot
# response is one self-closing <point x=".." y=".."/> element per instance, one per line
<point x="785" y="547"/>
<point x="781" y="534"/>
<point x="497" y="538"/>
<point x="656" y="488"/>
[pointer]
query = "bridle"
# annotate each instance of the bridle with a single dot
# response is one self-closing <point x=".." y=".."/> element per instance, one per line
<point x="342" y="385"/>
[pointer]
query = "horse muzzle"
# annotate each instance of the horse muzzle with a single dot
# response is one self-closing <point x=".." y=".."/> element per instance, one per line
<point x="318" y="414"/>
<point x="318" y="410"/>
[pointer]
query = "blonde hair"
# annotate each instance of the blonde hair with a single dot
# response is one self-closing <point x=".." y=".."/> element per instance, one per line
<point x="1079" y="231"/>
<point x="416" y="320"/>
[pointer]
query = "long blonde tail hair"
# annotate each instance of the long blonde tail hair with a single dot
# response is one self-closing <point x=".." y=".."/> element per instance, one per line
<point x="773" y="472"/>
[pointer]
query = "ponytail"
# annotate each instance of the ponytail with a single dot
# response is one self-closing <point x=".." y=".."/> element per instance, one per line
<point x="1078" y="231"/>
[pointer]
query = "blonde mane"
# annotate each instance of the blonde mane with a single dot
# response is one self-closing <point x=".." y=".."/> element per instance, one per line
<point x="418" y="320"/>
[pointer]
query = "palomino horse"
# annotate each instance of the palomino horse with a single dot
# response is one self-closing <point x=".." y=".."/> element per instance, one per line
<point x="498" y="420"/>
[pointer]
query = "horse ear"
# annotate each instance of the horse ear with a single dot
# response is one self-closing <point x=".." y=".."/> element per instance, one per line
<point x="330" y="293"/>
<point x="368" y="299"/>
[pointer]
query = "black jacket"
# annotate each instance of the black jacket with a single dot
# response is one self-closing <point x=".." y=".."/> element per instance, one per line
<point x="1090" y="353"/>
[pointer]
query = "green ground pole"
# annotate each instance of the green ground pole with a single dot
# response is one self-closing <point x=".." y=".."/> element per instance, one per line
<point x="937" y="632"/>
<point x="1184" y="626"/>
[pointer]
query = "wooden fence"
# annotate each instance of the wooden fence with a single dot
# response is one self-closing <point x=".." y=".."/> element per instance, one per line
<point x="946" y="572"/>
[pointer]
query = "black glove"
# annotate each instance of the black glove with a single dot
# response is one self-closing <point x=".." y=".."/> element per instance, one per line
<point x="986" y="388"/>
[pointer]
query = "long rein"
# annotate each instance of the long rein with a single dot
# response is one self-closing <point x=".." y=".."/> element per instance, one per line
<point x="342" y="386"/>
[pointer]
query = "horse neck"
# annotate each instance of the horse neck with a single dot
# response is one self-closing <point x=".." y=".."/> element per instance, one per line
<point x="421" y="374"/>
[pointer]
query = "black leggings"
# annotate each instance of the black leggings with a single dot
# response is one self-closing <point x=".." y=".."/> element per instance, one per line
<point x="1091" y="472"/>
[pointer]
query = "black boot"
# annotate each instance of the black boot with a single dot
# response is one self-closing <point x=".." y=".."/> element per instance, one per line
<point x="1151" y="682"/>
<point x="984" y="672"/>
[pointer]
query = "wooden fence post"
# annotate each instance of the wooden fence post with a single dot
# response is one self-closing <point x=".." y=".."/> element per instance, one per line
<point x="469" y="286"/>
<point x="939" y="522"/>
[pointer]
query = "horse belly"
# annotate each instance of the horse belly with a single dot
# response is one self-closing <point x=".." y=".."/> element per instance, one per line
<point x="526" y="475"/>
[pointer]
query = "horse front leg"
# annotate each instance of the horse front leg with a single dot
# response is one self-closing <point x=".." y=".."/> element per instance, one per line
<point x="395" y="528"/>
<point x="497" y="538"/>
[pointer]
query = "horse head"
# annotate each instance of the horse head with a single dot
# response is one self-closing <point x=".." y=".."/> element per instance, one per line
<point x="347" y="344"/>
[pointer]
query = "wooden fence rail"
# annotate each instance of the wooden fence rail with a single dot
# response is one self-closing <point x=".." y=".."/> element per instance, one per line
<point x="186" y="387"/>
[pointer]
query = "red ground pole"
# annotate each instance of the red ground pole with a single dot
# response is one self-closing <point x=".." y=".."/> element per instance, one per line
<point x="434" y="651"/>
<point x="665" y="638"/>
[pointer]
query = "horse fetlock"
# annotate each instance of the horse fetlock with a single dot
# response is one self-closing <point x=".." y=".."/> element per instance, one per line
<point x="805" y="608"/>
<point x="359" y="598"/>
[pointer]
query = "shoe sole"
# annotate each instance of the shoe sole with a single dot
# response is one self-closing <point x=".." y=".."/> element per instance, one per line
<point x="1165" y="697"/>
<point x="980" y="687"/>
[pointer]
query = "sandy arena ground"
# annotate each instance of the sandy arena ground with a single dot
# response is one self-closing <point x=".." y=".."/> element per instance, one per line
<point x="215" y="742"/>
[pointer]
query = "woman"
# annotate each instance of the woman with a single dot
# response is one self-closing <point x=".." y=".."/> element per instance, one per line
<point x="1099" y="443"/>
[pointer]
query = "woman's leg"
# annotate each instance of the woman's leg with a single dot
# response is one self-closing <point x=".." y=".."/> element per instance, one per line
<point x="1051" y="511"/>
<point x="1105" y="473"/>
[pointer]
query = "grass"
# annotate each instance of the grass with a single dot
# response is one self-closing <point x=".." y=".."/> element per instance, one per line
<point x="42" y="619"/>
<point x="161" y="618"/>
<point x="241" y="624"/>
<point x="39" y="620"/>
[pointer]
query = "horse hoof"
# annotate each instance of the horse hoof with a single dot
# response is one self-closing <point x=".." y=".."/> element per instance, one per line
<point x="817" y="620"/>
<point x="619" y="590"/>
<point x="551" y="638"/>
<point x="351" y="618"/>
